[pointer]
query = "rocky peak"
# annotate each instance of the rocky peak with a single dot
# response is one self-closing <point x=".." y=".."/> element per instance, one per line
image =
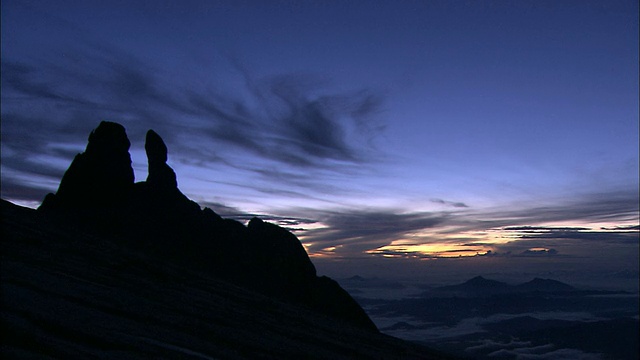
<point x="100" y="176"/>
<point x="161" y="176"/>
<point x="155" y="148"/>
<point x="107" y="139"/>
<point x="98" y="193"/>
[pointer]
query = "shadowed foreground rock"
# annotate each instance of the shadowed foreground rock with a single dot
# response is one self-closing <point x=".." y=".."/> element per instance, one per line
<point x="104" y="166"/>
<point x="106" y="264"/>
<point x="71" y="294"/>
<point x="98" y="193"/>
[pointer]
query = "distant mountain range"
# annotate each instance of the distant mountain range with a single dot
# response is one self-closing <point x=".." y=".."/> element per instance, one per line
<point x="542" y="318"/>
<point x="109" y="268"/>
<point x="479" y="286"/>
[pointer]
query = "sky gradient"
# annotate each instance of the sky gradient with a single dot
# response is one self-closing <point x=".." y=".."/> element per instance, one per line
<point x="502" y="134"/>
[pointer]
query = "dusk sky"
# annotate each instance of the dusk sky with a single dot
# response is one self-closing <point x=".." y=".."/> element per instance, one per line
<point x="408" y="138"/>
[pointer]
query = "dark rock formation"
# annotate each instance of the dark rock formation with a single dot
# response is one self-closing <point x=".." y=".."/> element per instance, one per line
<point x="100" y="177"/>
<point x="99" y="194"/>
<point x="328" y="297"/>
<point x="73" y="293"/>
<point x="161" y="176"/>
<point x="279" y="251"/>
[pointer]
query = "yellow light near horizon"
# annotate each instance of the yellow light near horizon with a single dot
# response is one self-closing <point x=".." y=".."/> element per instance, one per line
<point x="447" y="243"/>
<point x="431" y="250"/>
<point x="538" y="249"/>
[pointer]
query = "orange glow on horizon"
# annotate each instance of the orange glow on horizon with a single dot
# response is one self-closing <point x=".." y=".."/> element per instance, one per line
<point x="432" y="250"/>
<point x="447" y="243"/>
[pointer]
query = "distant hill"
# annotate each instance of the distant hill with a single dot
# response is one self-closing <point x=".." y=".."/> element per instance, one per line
<point x="480" y="286"/>
<point x="108" y="268"/>
<point x="487" y="319"/>
<point x="479" y="283"/>
<point x="544" y="285"/>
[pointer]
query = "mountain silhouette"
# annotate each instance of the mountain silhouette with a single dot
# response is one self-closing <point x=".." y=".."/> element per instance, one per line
<point x="481" y="283"/>
<point x="476" y="286"/>
<point x="70" y="292"/>
<point x="112" y="268"/>
<point x="98" y="193"/>
<point x="544" y="285"/>
<point x="480" y="286"/>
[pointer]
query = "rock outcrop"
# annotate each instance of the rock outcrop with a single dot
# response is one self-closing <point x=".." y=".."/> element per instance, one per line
<point x="100" y="177"/>
<point x="98" y="193"/>
<point x="161" y="177"/>
<point x="69" y="293"/>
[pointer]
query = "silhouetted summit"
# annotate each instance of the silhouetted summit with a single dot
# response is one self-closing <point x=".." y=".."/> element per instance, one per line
<point x="545" y="285"/>
<point x="161" y="176"/>
<point x="100" y="177"/>
<point x="476" y="286"/>
<point x="98" y="194"/>
<point x="480" y="286"/>
<point x="479" y="282"/>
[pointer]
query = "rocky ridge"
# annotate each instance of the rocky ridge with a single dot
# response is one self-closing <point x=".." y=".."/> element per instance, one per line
<point x="98" y="194"/>
<point x="70" y="292"/>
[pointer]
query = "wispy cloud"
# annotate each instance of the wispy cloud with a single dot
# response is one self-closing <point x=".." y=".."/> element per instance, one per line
<point x="353" y="232"/>
<point x="450" y="203"/>
<point x="522" y="231"/>
<point x="282" y="122"/>
<point x="288" y="123"/>
<point x="293" y="224"/>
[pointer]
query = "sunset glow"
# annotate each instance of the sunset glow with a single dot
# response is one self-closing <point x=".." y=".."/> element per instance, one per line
<point x="499" y="134"/>
<point x="433" y="250"/>
<point x="466" y="173"/>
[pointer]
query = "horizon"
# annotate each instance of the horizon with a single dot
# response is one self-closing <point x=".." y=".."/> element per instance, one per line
<point x="419" y="141"/>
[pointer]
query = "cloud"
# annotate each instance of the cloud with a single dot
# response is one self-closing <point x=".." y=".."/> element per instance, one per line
<point x="30" y="193"/>
<point x="291" y="124"/>
<point x="278" y="123"/>
<point x="545" y="352"/>
<point x="622" y="228"/>
<point x="450" y="203"/>
<point x="432" y="333"/>
<point x="229" y="212"/>
<point x="627" y="235"/>
<point x="618" y="206"/>
<point x="488" y="344"/>
<point x="539" y="252"/>
<point x="353" y="232"/>
<point x="290" y="131"/>
<point x="350" y="232"/>
<point x="224" y="210"/>
<point x="605" y="206"/>
<point x="537" y="229"/>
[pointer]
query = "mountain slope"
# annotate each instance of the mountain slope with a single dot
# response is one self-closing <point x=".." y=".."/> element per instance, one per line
<point x="110" y="268"/>
<point x="98" y="194"/>
<point x="70" y="294"/>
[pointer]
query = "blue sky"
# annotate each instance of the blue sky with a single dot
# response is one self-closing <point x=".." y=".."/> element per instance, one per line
<point x="407" y="124"/>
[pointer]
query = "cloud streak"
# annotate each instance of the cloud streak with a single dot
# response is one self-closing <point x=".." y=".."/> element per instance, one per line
<point x="450" y="203"/>
<point x="280" y="122"/>
<point x="353" y="232"/>
<point x="523" y="231"/>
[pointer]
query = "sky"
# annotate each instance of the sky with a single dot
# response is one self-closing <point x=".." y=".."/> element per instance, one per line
<point x="424" y="139"/>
